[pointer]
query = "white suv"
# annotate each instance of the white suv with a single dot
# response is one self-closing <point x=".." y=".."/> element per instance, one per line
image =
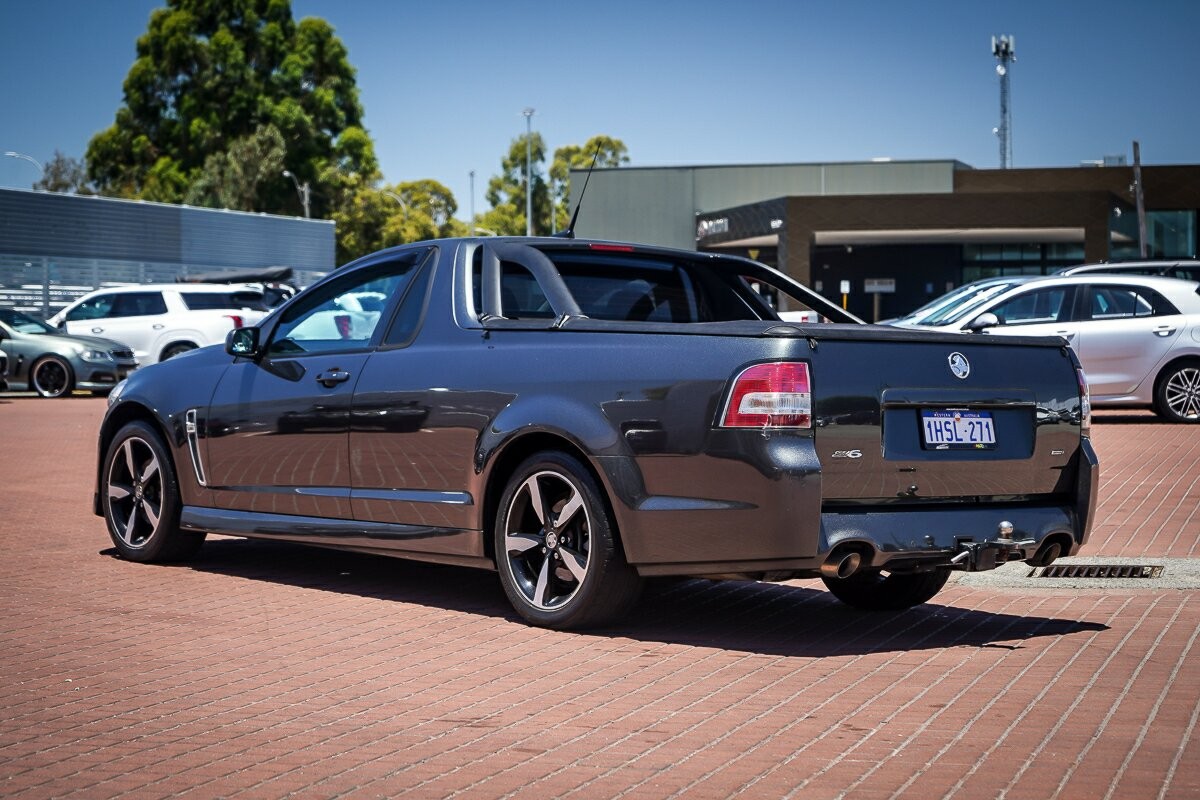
<point x="162" y="320"/>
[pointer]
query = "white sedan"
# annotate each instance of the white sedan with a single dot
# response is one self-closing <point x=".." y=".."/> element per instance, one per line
<point x="1137" y="337"/>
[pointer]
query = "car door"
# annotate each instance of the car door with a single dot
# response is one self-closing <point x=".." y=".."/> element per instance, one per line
<point x="133" y="318"/>
<point x="1125" y="333"/>
<point x="277" y="428"/>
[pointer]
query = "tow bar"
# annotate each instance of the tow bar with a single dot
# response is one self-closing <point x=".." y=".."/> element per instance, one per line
<point x="990" y="553"/>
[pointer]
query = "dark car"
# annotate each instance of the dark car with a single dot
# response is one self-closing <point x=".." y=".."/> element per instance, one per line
<point x="582" y="415"/>
<point x="53" y="364"/>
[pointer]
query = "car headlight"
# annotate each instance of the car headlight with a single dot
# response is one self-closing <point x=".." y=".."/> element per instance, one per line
<point x="115" y="394"/>
<point x="96" y="356"/>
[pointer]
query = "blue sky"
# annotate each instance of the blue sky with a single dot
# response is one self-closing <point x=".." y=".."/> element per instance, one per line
<point x="443" y="83"/>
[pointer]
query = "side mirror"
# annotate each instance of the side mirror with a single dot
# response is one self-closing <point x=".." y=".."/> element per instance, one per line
<point x="242" y="342"/>
<point x="985" y="320"/>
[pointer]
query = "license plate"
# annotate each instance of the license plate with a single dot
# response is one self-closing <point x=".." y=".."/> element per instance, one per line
<point x="957" y="430"/>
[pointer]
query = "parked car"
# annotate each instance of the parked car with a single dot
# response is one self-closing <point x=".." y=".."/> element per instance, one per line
<point x="1138" y="337"/>
<point x="159" y="321"/>
<point x="581" y="415"/>
<point x="1185" y="269"/>
<point x="53" y="364"/>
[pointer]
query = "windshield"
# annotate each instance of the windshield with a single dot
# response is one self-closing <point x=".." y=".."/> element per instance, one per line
<point x="23" y="323"/>
<point x="952" y="296"/>
<point x="964" y="305"/>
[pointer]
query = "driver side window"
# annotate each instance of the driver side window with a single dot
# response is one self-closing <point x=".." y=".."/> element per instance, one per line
<point x="345" y="313"/>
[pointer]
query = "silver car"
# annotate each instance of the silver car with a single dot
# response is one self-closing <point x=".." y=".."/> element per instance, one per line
<point x="54" y="364"/>
<point x="1138" y="337"/>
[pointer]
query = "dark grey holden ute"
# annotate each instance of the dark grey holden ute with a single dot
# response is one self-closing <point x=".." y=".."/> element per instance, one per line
<point x="581" y="415"/>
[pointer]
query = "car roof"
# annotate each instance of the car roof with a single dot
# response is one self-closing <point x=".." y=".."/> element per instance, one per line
<point x="179" y="287"/>
<point x="1121" y="266"/>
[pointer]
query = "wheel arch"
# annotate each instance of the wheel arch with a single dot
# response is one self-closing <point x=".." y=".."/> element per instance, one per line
<point x="162" y="351"/>
<point x="117" y="418"/>
<point x="1165" y="371"/>
<point x="509" y="456"/>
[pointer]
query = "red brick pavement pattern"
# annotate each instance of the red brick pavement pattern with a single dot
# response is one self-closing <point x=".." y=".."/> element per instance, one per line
<point x="265" y="670"/>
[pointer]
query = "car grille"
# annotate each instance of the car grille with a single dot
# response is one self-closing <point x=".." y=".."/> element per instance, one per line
<point x="121" y="354"/>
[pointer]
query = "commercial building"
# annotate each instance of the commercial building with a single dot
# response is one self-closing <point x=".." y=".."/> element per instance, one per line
<point x="896" y="233"/>
<point x="55" y="247"/>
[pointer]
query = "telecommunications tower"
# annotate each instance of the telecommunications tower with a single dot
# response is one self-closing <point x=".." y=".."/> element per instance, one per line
<point x="1004" y="49"/>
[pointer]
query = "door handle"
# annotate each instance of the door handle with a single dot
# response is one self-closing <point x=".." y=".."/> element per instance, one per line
<point x="158" y="326"/>
<point x="330" y="377"/>
<point x="97" y="330"/>
<point x="1164" y="331"/>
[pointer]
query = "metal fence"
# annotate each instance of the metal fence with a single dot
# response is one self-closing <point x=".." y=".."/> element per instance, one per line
<point x="41" y="285"/>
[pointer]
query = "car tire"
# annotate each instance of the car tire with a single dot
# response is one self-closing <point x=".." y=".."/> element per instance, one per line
<point x="140" y="498"/>
<point x="872" y="590"/>
<point x="1177" y="393"/>
<point x="176" y="349"/>
<point x="563" y="571"/>
<point x="51" y="376"/>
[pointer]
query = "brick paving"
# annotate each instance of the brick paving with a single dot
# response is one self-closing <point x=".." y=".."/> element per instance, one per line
<point x="267" y="670"/>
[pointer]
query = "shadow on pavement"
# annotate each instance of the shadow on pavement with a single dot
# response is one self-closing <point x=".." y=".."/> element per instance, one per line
<point x="763" y="618"/>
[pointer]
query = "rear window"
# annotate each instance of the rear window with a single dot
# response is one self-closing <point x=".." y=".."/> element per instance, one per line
<point x="628" y="287"/>
<point x="224" y="300"/>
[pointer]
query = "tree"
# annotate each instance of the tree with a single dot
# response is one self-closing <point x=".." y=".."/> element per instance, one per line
<point x="506" y="191"/>
<point x="64" y="174"/>
<point x="239" y="178"/>
<point x="421" y="210"/>
<point x="607" y="151"/>
<point x="218" y="77"/>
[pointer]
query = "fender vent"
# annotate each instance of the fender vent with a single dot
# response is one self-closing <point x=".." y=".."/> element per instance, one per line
<point x="1098" y="571"/>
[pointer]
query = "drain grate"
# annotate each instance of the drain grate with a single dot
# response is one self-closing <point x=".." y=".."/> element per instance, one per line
<point x="1098" y="571"/>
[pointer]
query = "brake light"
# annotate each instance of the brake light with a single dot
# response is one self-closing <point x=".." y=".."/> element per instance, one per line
<point x="614" y="248"/>
<point x="1085" y="400"/>
<point x="776" y="395"/>
<point x="237" y="320"/>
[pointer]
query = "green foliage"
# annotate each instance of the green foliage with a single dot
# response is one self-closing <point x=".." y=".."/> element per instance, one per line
<point x="607" y="151"/>
<point x="240" y="177"/>
<point x="64" y="174"/>
<point x="217" y="80"/>
<point x="506" y="191"/>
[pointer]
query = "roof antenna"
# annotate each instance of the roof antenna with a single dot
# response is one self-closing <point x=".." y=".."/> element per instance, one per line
<point x="569" y="233"/>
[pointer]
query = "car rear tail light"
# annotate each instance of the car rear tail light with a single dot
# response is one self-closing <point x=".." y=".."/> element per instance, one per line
<point x="237" y="320"/>
<point x="1085" y="400"/>
<point x="776" y="395"/>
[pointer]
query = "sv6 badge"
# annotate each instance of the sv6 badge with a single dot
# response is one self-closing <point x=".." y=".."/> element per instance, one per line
<point x="847" y="454"/>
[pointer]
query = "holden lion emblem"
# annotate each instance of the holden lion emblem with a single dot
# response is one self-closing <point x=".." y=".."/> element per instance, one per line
<point x="959" y="365"/>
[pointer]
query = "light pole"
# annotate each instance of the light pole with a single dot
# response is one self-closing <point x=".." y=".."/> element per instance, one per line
<point x="13" y="154"/>
<point x="301" y="191"/>
<point x="528" y="171"/>
<point x="399" y="200"/>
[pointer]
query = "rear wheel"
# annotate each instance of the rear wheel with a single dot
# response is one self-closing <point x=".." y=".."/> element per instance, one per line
<point x="872" y="590"/>
<point x="141" y="500"/>
<point x="1177" y="396"/>
<point x="556" y="548"/>
<point x="173" y="350"/>
<point x="51" y="376"/>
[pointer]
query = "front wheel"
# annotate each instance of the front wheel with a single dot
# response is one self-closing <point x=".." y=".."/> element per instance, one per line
<point x="556" y="547"/>
<point x="141" y="498"/>
<point x="872" y="590"/>
<point x="52" y="377"/>
<point x="1177" y="396"/>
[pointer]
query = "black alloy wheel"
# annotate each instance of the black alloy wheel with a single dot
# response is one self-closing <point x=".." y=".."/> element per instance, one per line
<point x="556" y="550"/>
<point x="51" y="376"/>
<point x="141" y="498"/>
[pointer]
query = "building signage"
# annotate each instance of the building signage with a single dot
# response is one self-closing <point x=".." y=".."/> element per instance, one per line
<point x="879" y="285"/>
<point x="711" y="227"/>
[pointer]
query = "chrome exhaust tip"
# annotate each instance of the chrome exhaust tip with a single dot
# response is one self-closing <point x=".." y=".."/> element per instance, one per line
<point x="841" y="565"/>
